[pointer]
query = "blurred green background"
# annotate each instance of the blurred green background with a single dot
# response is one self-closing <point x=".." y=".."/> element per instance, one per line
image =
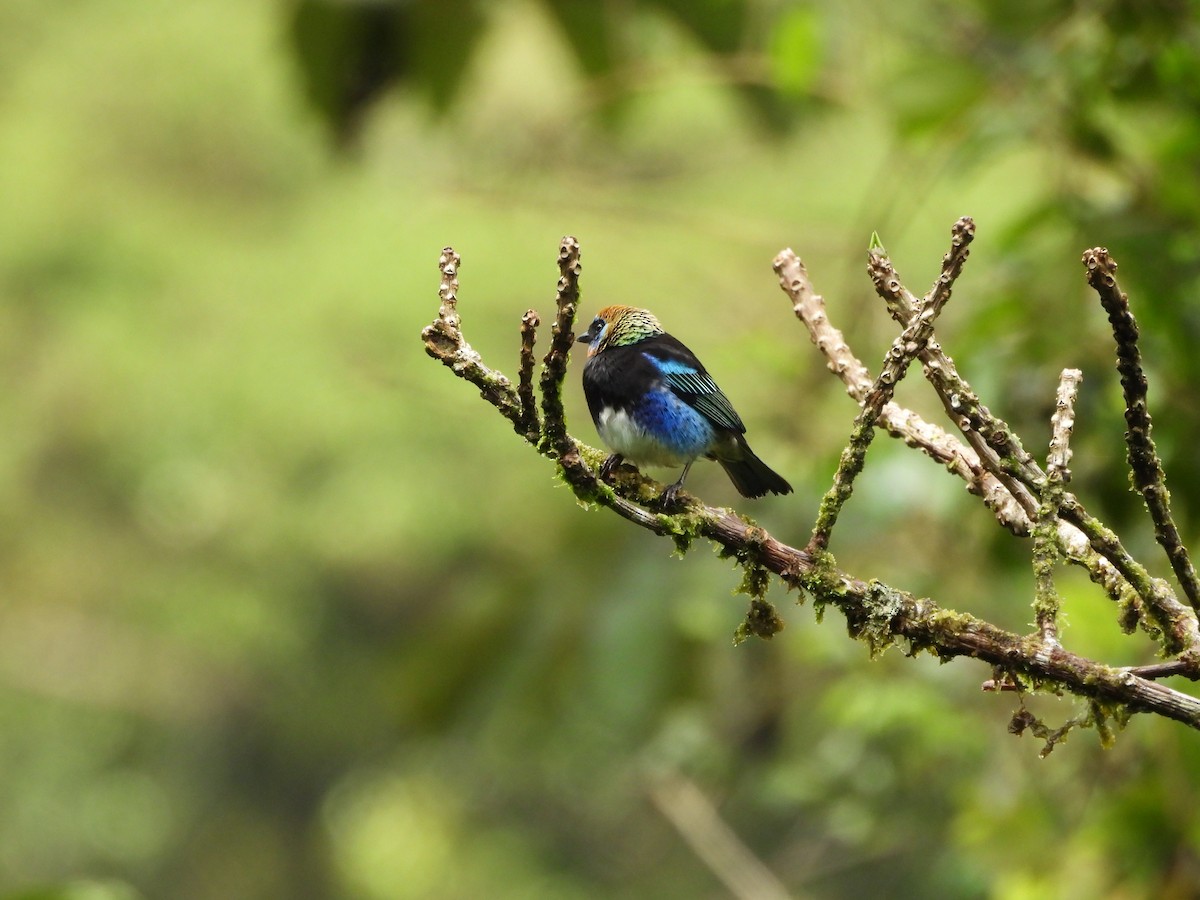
<point x="287" y="612"/>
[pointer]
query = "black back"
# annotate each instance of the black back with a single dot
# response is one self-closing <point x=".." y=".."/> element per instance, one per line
<point x="617" y="377"/>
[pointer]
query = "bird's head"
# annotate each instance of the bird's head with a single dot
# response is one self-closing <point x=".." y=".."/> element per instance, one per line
<point x="619" y="326"/>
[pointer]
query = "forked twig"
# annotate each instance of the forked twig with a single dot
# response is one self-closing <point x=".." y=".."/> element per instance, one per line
<point x="911" y="342"/>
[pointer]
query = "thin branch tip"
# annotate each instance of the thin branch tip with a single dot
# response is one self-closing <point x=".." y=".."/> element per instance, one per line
<point x="1144" y="463"/>
<point x="554" y="364"/>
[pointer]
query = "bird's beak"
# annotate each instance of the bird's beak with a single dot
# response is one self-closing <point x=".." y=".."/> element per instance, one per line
<point x="584" y="338"/>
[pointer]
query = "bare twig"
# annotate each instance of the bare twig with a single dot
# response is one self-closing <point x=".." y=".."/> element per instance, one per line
<point x="980" y="429"/>
<point x="1058" y="460"/>
<point x="1166" y="669"/>
<point x="444" y="340"/>
<point x="809" y="307"/>
<point x="1148" y="476"/>
<point x="699" y="823"/>
<point x="554" y="368"/>
<point x="530" y="423"/>
<point x="961" y="236"/>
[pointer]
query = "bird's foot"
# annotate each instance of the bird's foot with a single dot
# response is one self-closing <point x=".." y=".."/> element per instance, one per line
<point x="607" y="467"/>
<point x="670" y="496"/>
<point x="669" y="499"/>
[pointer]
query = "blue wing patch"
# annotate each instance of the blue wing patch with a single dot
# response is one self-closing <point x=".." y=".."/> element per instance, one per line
<point x="697" y="389"/>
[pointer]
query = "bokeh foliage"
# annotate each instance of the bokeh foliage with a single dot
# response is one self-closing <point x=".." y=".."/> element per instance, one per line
<point x="287" y="612"/>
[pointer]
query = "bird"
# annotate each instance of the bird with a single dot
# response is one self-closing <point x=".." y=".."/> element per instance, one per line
<point x="655" y="404"/>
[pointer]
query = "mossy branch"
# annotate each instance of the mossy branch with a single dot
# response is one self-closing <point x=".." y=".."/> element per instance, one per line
<point x="1046" y="602"/>
<point x="988" y="436"/>
<point x="1144" y="464"/>
<point x="1082" y="539"/>
<point x="935" y="442"/>
<point x="876" y="613"/>
<point x="911" y="342"/>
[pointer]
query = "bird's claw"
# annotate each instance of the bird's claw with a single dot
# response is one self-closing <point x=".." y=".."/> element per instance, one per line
<point x="611" y="463"/>
<point x="670" y="496"/>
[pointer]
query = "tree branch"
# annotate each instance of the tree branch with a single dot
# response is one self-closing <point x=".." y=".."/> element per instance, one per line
<point x="530" y="425"/>
<point x="444" y="340"/>
<point x="554" y="367"/>
<point x="904" y="349"/>
<point x="936" y="443"/>
<point x="1148" y="476"/>
<point x="1155" y="607"/>
<point x="989" y="436"/>
<point x="1045" y="545"/>
<point x="875" y="613"/>
<point x="958" y="458"/>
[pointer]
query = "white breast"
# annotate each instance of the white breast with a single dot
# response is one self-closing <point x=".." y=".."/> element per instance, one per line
<point x="623" y="435"/>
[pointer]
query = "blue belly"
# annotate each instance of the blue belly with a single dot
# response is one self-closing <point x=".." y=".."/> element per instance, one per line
<point x="660" y="430"/>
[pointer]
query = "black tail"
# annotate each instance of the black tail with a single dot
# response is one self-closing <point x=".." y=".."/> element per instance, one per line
<point x="751" y="476"/>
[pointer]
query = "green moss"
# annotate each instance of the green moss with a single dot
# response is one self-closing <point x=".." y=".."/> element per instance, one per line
<point x="761" y="621"/>
<point x="1023" y="720"/>
<point x="589" y="492"/>
<point x="632" y="484"/>
<point x="756" y="578"/>
<point x="1108" y="719"/>
<point x="683" y="528"/>
<point x="1010" y="465"/>
<point x="1105" y="716"/>
<point x="824" y="582"/>
<point x="870" y="618"/>
<point x="941" y="624"/>
<point x="871" y="621"/>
